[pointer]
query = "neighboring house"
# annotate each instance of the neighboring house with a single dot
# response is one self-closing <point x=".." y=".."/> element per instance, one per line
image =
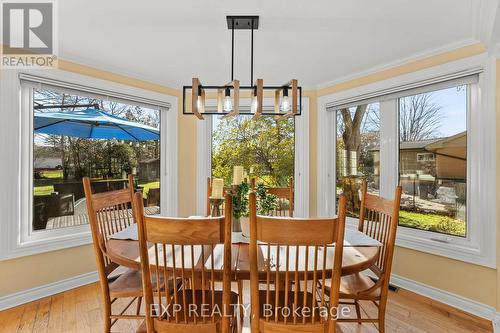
<point x="435" y="168"/>
<point x="149" y="169"/>
<point x="451" y="157"/>
<point x="47" y="162"/>
<point x="441" y="158"/>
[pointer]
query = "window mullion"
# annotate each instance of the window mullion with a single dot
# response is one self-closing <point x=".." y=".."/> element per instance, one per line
<point x="389" y="144"/>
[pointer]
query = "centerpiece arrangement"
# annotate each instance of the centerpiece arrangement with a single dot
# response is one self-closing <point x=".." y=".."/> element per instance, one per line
<point x="241" y="186"/>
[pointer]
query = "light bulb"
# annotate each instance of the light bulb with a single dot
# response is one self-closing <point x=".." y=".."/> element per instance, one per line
<point x="285" y="105"/>
<point x="254" y="105"/>
<point x="228" y="104"/>
<point x="199" y="103"/>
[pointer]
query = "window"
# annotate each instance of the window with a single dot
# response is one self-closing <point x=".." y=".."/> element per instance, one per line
<point x="425" y="157"/>
<point x="284" y="143"/>
<point x="357" y="152"/>
<point x="433" y="127"/>
<point x="434" y="138"/>
<point x="63" y="155"/>
<point x="28" y="155"/>
<point x="264" y="147"/>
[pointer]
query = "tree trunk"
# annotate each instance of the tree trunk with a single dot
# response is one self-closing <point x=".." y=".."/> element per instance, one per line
<point x="352" y="133"/>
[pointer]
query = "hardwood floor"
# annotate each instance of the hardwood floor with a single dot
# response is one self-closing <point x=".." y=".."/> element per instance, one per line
<point x="78" y="310"/>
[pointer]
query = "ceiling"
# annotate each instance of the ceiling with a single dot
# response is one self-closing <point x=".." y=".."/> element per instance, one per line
<point x="316" y="42"/>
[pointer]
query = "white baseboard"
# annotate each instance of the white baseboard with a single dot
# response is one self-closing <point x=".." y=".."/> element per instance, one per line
<point x="53" y="288"/>
<point x="454" y="300"/>
<point x="459" y="302"/>
<point x="496" y="323"/>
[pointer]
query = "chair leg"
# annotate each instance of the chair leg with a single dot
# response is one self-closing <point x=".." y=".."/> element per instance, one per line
<point x="139" y="301"/>
<point x="240" y="298"/>
<point x="358" y="311"/>
<point x="107" y="317"/>
<point x="381" y="317"/>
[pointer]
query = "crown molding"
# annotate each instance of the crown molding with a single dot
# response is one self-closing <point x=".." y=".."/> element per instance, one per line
<point x="402" y="61"/>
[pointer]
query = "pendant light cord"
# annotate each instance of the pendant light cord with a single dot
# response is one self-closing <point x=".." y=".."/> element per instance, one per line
<point x="232" y="52"/>
<point x="251" y="58"/>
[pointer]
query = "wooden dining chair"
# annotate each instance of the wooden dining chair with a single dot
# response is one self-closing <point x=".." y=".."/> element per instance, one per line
<point x="378" y="219"/>
<point x="111" y="212"/>
<point x="292" y="255"/>
<point x="196" y="251"/>
<point x="285" y="195"/>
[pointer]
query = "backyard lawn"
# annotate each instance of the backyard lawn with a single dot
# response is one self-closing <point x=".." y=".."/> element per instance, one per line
<point x="43" y="190"/>
<point x="432" y="222"/>
<point x="147" y="186"/>
<point x="51" y="174"/>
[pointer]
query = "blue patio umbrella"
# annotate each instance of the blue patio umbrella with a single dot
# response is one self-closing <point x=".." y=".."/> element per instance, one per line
<point x="92" y="124"/>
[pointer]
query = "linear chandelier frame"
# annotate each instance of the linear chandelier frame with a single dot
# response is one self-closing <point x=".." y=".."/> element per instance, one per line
<point x="256" y="88"/>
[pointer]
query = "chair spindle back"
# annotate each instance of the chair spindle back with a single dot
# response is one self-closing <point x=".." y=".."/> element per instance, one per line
<point x="378" y="219"/>
<point x="294" y="256"/>
<point x="194" y="251"/>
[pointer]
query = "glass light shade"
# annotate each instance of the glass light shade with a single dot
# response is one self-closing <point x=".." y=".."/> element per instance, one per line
<point x="285" y="105"/>
<point x="199" y="103"/>
<point x="254" y="105"/>
<point x="228" y="104"/>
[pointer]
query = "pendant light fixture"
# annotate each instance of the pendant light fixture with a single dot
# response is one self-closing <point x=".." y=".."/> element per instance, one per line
<point x="228" y="102"/>
<point x="225" y="99"/>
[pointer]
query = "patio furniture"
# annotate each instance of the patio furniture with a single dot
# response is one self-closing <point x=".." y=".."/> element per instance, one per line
<point x="98" y="186"/>
<point x="51" y="206"/>
<point x="285" y="199"/>
<point x="92" y="124"/>
<point x="153" y="197"/>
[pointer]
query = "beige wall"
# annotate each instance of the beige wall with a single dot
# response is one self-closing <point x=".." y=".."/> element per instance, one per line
<point x="37" y="270"/>
<point x="498" y="183"/>
<point x="468" y="280"/>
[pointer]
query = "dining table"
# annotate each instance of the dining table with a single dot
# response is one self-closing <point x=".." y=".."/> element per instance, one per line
<point x="360" y="253"/>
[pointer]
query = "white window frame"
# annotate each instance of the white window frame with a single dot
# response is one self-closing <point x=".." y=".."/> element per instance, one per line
<point x="301" y="174"/>
<point x="17" y="237"/>
<point x="480" y="245"/>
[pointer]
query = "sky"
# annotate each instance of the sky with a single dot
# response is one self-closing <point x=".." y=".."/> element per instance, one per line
<point x="453" y="102"/>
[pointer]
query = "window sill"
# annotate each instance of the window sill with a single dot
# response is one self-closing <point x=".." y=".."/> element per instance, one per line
<point x="45" y="241"/>
<point x="452" y="247"/>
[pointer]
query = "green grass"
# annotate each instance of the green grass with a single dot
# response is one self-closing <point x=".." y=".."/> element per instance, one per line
<point x="147" y="186"/>
<point x="43" y="190"/>
<point x="433" y="222"/>
<point x="52" y="174"/>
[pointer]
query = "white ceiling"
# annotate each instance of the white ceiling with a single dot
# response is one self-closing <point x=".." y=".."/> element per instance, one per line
<point x="169" y="42"/>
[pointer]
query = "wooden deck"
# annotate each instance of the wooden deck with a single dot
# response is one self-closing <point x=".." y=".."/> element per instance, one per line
<point x="78" y="310"/>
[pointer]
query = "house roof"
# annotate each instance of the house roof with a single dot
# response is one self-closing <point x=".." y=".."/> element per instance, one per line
<point x="149" y="160"/>
<point x="407" y="145"/>
<point x="448" y="141"/>
<point x="431" y="144"/>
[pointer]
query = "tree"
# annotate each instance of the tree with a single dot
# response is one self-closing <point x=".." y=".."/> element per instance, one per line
<point x="419" y="117"/>
<point x="265" y="145"/>
<point x="351" y="134"/>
